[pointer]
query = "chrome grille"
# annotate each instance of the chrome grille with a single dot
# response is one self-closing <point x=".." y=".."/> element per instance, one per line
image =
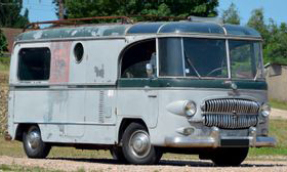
<point x="230" y="113"/>
<point x="238" y="106"/>
<point x="230" y="121"/>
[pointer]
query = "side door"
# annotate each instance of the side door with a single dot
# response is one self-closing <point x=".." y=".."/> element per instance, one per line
<point x="138" y="85"/>
<point x="75" y="126"/>
<point x="102" y="68"/>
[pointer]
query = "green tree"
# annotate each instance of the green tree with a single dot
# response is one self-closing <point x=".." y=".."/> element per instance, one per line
<point x="10" y="14"/>
<point x="275" y="50"/>
<point x="183" y="8"/>
<point x="231" y="15"/>
<point x="3" y="43"/>
<point x="257" y="22"/>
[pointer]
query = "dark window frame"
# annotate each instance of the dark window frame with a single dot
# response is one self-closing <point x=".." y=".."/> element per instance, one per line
<point x="19" y="67"/>
<point x="182" y="57"/>
<point x="126" y="49"/>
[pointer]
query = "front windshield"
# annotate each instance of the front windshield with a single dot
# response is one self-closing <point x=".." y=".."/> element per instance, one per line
<point x="207" y="58"/>
<point x="192" y="57"/>
<point x="245" y="58"/>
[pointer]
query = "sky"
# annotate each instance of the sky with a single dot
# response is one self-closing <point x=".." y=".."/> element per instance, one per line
<point x="42" y="10"/>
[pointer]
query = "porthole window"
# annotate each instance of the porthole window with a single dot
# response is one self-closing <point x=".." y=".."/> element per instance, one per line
<point x="79" y="52"/>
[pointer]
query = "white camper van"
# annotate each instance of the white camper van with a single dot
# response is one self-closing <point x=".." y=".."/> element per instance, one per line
<point x="140" y="90"/>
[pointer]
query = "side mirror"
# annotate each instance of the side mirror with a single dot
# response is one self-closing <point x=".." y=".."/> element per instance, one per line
<point x="149" y="70"/>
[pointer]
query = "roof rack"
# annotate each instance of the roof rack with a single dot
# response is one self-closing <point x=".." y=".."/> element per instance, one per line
<point x="124" y="20"/>
<point x="74" y="21"/>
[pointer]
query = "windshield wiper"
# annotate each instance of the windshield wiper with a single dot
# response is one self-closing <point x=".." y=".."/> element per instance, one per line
<point x="192" y="66"/>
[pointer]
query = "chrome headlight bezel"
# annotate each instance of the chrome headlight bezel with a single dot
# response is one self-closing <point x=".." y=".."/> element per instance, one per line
<point x="265" y="109"/>
<point x="190" y="108"/>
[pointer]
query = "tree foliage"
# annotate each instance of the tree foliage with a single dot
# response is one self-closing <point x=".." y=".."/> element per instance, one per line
<point x="275" y="37"/>
<point x="257" y="21"/>
<point x="231" y="15"/>
<point x="182" y="8"/>
<point x="276" y="49"/>
<point x="10" y="14"/>
<point x="3" y="43"/>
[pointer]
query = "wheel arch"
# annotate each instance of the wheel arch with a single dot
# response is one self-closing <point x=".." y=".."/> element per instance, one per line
<point x="21" y="128"/>
<point x="126" y="122"/>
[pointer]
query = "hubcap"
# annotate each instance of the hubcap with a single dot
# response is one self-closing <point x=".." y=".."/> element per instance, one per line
<point x="139" y="144"/>
<point x="34" y="139"/>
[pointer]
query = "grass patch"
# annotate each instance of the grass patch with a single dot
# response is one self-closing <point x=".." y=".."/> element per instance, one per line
<point x="15" y="149"/>
<point x="278" y="104"/>
<point x="278" y="130"/>
<point x="4" y="64"/>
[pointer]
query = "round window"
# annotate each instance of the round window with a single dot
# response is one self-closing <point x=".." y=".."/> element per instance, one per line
<point x="79" y="52"/>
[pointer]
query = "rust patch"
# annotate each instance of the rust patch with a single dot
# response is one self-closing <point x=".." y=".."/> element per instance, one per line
<point x="60" y="64"/>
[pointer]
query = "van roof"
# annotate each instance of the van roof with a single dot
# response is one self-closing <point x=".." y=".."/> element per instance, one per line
<point x="151" y="28"/>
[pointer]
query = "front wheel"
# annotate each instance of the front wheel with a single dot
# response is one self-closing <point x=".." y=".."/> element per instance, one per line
<point x="229" y="156"/>
<point x="33" y="145"/>
<point x="137" y="147"/>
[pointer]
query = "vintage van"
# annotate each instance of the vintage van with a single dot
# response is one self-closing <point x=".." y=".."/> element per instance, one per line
<point x="140" y="90"/>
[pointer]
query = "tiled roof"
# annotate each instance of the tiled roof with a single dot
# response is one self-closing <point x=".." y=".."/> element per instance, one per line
<point x="11" y="34"/>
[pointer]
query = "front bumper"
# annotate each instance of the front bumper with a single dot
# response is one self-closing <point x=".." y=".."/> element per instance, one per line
<point x="215" y="140"/>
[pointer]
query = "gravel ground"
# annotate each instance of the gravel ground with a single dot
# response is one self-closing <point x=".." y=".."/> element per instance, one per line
<point x="165" y="165"/>
<point x="278" y="114"/>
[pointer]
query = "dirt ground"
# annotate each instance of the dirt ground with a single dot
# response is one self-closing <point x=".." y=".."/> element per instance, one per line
<point x="164" y="166"/>
<point x="278" y="114"/>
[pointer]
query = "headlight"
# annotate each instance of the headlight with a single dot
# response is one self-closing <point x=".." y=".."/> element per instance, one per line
<point x="190" y="108"/>
<point x="265" y="110"/>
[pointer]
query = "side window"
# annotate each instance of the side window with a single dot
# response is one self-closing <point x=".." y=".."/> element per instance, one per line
<point x="34" y="64"/>
<point x="138" y="58"/>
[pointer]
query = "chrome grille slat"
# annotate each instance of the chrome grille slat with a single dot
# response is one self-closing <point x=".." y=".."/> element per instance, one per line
<point x="230" y="113"/>
<point x="227" y="121"/>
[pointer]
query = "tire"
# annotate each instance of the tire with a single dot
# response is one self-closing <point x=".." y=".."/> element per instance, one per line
<point x="137" y="148"/>
<point x="117" y="154"/>
<point x="33" y="145"/>
<point x="229" y="156"/>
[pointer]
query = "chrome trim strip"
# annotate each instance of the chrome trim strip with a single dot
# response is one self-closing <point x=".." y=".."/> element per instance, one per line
<point x="64" y="84"/>
<point x="157" y="56"/>
<point x="160" y="35"/>
<point x="67" y="123"/>
<point x="228" y="58"/>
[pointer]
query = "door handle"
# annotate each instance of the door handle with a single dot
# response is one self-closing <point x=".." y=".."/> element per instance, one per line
<point x="152" y="96"/>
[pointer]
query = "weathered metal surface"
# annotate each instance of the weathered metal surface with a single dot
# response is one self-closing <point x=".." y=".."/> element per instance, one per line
<point x="60" y="64"/>
<point x="152" y="28"/>
<point x="74" y="32"/>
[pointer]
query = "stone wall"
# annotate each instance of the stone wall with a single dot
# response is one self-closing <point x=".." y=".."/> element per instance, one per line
<point x="277" y="85"/>
<point x="3" y="102"/>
